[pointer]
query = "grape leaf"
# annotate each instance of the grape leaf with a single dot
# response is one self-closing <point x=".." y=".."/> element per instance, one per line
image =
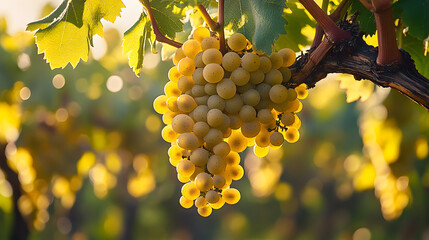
<point x="167" y="19"/>
<point x="415" y="48"/>
<point x="415" y="16"/>
<point x="67" y="38"/>
<point x="297" y="19"/>
<point x="44" y="22"/>
<point x="355" y="90"/>
<point x="260" y="21"/>
<point x="366" y="18"/>
<point x="135" y="40"/>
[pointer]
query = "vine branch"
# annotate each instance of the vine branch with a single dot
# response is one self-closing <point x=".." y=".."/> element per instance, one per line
<point x="216" y="26"/>
<point x="158" y="35"/>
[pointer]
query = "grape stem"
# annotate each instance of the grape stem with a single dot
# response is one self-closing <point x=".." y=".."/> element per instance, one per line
<point x="217" y="27"/>
<point x="158" y="35"/>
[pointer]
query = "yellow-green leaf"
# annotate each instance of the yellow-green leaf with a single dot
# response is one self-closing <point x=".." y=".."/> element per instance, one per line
<point x="67" y="38"/>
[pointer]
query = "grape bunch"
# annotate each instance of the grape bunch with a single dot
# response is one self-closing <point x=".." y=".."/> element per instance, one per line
<point x="216" y="105"/>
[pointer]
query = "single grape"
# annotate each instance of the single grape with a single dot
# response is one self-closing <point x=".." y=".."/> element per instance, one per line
<point x="213" y="73"/>
<point x="237" y="141"/>
<point x="185" y="83"/>
<point x="160" y="104"/>
<point x="288" y="118"/>
<point x="266" y="64"/>
<point x="174" y="74"/>
<point x="205" y="211"/>
<point x="251" y="97"/>
<point x="231" y="195"/>
<point x="216" y="165"/>
<point x="204" y="182"/>
<point x="190" y="191"/>
<point x="276" y="139"/>
<point x="212" y="196"/>
<point x="212" y="56"/>
<point x="231" y="61"/>
<point x="218" y="181"/>
<point x="186" y="66"/>
<point x="215" y="118"/>
<point x="250" y="129"/>
<point x="191" y="48"/>
<point x="222" y="149"/>
<point x="216" y="102"/>
<point x="292" y="135"/>
<point x="265" y="116"/>
<point x="276" y="60"/>
<point x="210" y="42"/>
<point x="200" y="129"/>
<point x="240" y="76"/>
<point x="168" y="134"/>
<point x="257" y="77"/>
<point x="213" y="137"/>
<point x="200" y="202"/>
<point x="186" y="103"/>
<point x="273" y="77"/>
<point x="188" y="141"/>
<point x="233" y="105"/>
<point x="182" y="123"/>
<point x="247" y="113"/>
<point x="185" y="203"/>
<point x="278" y="93"/>
<point x="199" y="157"/>
<point x="288" y="56"/>
<point x="200" y="113"/>
<point x="200" y="33"/>
<point x="237" y="42"/>
<point x="226" y="89"/>
<point x="250" y="62"/>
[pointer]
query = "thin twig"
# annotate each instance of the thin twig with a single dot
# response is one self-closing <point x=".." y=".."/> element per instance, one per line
<point x="214" y="26"/>
<point x="158" y="35"/>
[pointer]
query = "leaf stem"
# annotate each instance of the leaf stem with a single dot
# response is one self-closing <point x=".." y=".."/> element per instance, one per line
<point x="214" y="26"/>
<point x="332" y="31"/>
<point x="158" y="35"/>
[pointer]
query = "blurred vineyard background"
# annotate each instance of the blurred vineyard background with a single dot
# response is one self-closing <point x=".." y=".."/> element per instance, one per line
<point x="81" y="154"/>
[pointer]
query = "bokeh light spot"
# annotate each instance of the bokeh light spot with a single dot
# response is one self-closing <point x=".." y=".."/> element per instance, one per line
<point x="58" y="81"/>
<point x="114" y="83"/>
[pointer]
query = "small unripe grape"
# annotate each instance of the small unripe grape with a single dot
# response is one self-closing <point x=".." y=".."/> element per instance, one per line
<point x="160" y="104"/>
<point x="186" y="103"/>
<point x="240" y="76"/>
<point x="235" y="121"/>
<point x="213" y="137"/>
<point x="185" y="168"/>
<point x="251" y="97"/>
<point x="200" y="33"/>
<point x="188" y="141"/>
<point x="199" y="157"/>
<point x="200" y="129"/>
<point x="185" y="203"/>
<point x="292" y="135"/>
<point x="250" y="62"/>
<point x="286" y="73"/>
<point x="237" y="42"/>
<point x="276" y="139"/>
<point x="257" y="77"/>
<point x="288" y="118"/>
<point x="226" y="89"/>
<point x="186" y="66"/>
<point x="218" y="204"/>
<point x="265" y="116"/>
<point x="233" y="105"/>
<point x="200" y="202"/>
<point x="247" y="113"/>
<point x="222" y="149"/>
<point x="237" y="141"/>
<point x="173" y="74"/>
<point x="216" y="165"/>
<point x="251" y="129"/>
<point x="178" y="56"/>
<point x="213" y="73"/>
<point x="168" y="134"/>
<point x="185" y="83"/>
<point x="200" y="113"/>
<point x="199" y="60"/>
<point x="190" y="191"/>
<point x="204" y="181"/>
<point x="288" y="56"/>
<point x="278" y="93"/>
<point x="266" y="64"/>
<point x="171" y="89"/>
<point x="216" y="102"/>
<point x="235" y="171"/>
<point x="212" y="56"/>
<point x="182" y="123"/>
<point x="212" y="196"/>
<point x="231" y="61"/>
<point x="215" y="118"/>
<point x="218" y="181"/>
<point x="210" y="88"/>
<point x="273" y="77"/>
<point x="231" y="195"/>
<point x="198" y="76"/>
<point x="276" y="60"/>
<point x="210" y="42"/>
<point x="191" y="48"/>
<point x="205" y="211"/>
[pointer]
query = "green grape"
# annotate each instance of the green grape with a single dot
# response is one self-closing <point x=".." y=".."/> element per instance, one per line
<point x="205" y="211"/>
<point x="202" y="100"/>
<point x="168" y="134"/>
<point x="288" y="118"/>
<point x="167" y="118"/>
<point x="250" y="62"/>
<point x="212" y="56"/>
<point x="276" y="139"/>
<point x="250" y="129"/>
<point x="231" y="61"/>
<point x="263" y="138"/>
<point x="190" y="191"/>
<point x="216" y="102"/>
<point x="212" y="196"/>
<point x="288" y="56"/>
<point x="247" y="113"/>
<point x="237" y="42"/>
<point x="182" y="179"/>
<point x="200" y="202"/>
<point x="218" y="204"/>
<point x="204" y="182"/>
<point x="198" y="76"/>
<point x="171" y="89"/>
<point x="291" y="94"/>
<point x="178" y="56"/>
<point x="273" y="77"/>
<point x="301" y="91"/>
<point x="235" y="121"/>
<point x="245" y="88"/>
<point x="200" y="113"/>
<point x="198" y="91"/>
<point x="199" y="157"/>
<point x="213" y="73"/>
<point x="185" y="203"/>
<point x="185" y="168"/>
<point x="278" y="93"/>
<point x="188" y="141"/>
<point x="222" y="149"/>
<point x="199" y="60"/>
<point x="257" y="77"/>
<point x="197" y="171"/>
<point x="276" y="60"/>
<point x="216" y="165"/>
<point x="233" y="158"/>
<point x="200" y="33"/>
<point x="210" y="42"/>
<point x="237" y="141"/>
<point x="174" y="74"/>
<point x="191" y="48"/>
<point x="186" y="103"/>
<point x="160" y="104"/>
<point x="172" y="104"/>
<point x="233" y="105"/>
<point x="226" y="89"/>
<point x="231" y="195"/>
<point x="219" y="181"/>
<point x="215" y="118"/>
<point x="185" y="83"/>
<point x="292" y="135"/>
<point x="265" y="116"/>
<point x="264" y="90"/>
<point x="266" y="64"/>
<point x="240" y="76"/>
<point x="286" y="73"/>
<point x="182" y="123"/>
<point x="235" y="171"/>
<point x="210" y="88"/>
<point x="186" y="66"/>
<point x="175" y="153"/>
<point x="200" y="129"/>
<point x="213" y="137"/>
<point x="251" y="97"/>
